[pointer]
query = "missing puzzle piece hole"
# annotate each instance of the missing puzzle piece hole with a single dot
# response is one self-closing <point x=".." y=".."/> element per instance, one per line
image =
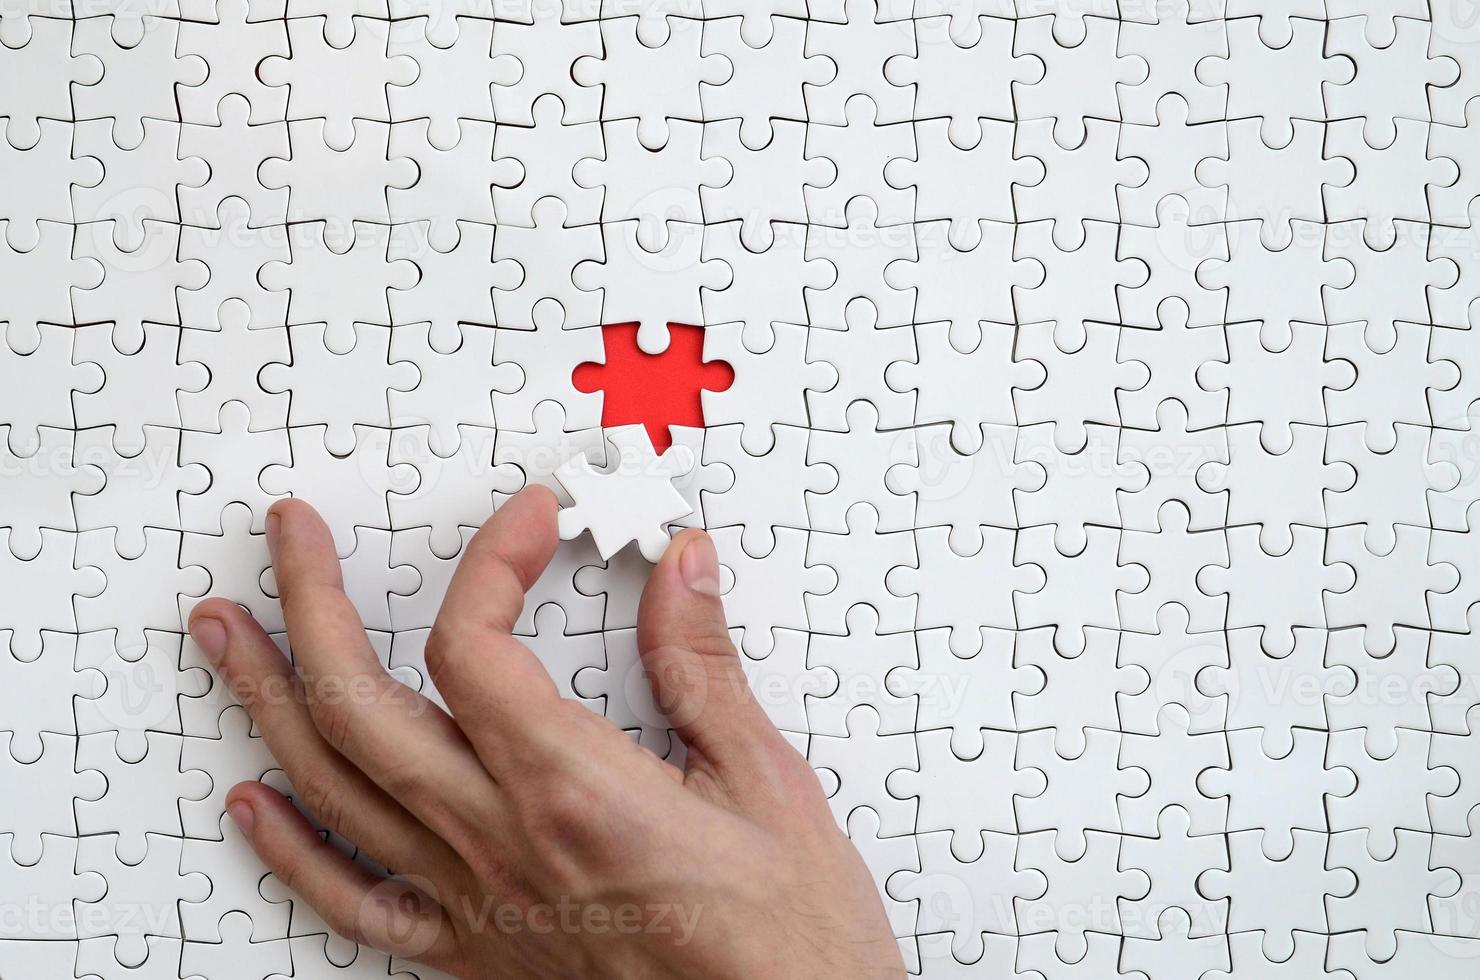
<point x="655" y="391"/>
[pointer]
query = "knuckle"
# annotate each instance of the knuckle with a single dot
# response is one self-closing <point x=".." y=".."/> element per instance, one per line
<point x="323" y="796"/>
<point x="335" y="721"/>
<point x="790" y="762"/>
<point x="436" y="653"/>
<point x="556" y="818"/>
<point x="798" y="774"/>
<point x="347" y="921"/>
<point x="289" y="872"/>
<point x="401" y="780"/>
<point x="798" y="782"/>
<point x="712" y="644"/>
<point x="298" y="600"/>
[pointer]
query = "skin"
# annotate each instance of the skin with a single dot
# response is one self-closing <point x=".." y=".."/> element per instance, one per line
<point x="531" y="837"/>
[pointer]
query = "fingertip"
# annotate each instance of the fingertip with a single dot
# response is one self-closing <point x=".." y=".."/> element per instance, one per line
<point x="665" y="578"/>
<point x="262" y="812"/>
<point x="681" y="541"/>
<point x="286" y="507"/>
<point x="690" y="564"/>
<point x="251" y="791"/>
<point x="226" y="613"/>
<point x="246" y="802"/>
<point x="698" y="562"/>
<point x="273" y="525"/>
<point x="212" y="607"/>
<point x="289" y="510"/>
<point x="679" y="544"/>
<point x="209" y="633"/>
<point x="213" y="624"/>
<point x="242" y="814"/>
<point x="223" y="608"/>
<point x="301" y="544"/>
<point x="683" y="593"/>
<point x="297" y="517"/>
<point x="539" y="496"/>
<point x="530" y="517"/>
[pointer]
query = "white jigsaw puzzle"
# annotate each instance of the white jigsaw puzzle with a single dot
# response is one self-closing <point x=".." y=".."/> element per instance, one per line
<point x="1094" y="480"/>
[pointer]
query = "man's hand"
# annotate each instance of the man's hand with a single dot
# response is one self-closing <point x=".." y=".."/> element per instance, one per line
<point x="529" y="836"/>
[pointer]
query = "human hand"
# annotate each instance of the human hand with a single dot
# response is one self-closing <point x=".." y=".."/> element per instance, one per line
<point x="532" y="838"/>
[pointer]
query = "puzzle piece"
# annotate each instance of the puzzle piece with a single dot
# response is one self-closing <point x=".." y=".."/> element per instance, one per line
<point x="139" y="907"/>
<point x="1277" y="591"/>
<point x="157" y="777"/>
<point x="1277" y="796"/>
<point x="975" y="897"/>
<point x="56" y="883"/>
<point x="1286" y="896"/>
<point x="340" y="79"/>
<point x="631" y="502"/>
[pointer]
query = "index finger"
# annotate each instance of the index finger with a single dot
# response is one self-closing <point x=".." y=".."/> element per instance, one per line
<point x="494" y="685"/>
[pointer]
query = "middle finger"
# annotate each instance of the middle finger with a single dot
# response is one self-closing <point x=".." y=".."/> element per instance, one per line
<point x="395" y="736"/>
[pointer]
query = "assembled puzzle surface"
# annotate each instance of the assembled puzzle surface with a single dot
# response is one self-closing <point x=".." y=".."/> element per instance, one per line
<point x="1094" y="484"/>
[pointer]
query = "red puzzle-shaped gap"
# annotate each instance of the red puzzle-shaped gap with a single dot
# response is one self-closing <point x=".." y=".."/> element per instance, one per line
<point x="653" y="390"/>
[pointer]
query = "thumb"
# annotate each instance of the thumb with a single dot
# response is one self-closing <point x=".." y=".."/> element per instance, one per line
<point x="693" y="667"/>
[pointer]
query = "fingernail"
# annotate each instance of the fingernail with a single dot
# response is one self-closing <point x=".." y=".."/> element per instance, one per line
<point x="210" y="635"/>
<point x="699" y="565"/>
<point x="242" y="816"/>
<point x="272" y="532"/>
